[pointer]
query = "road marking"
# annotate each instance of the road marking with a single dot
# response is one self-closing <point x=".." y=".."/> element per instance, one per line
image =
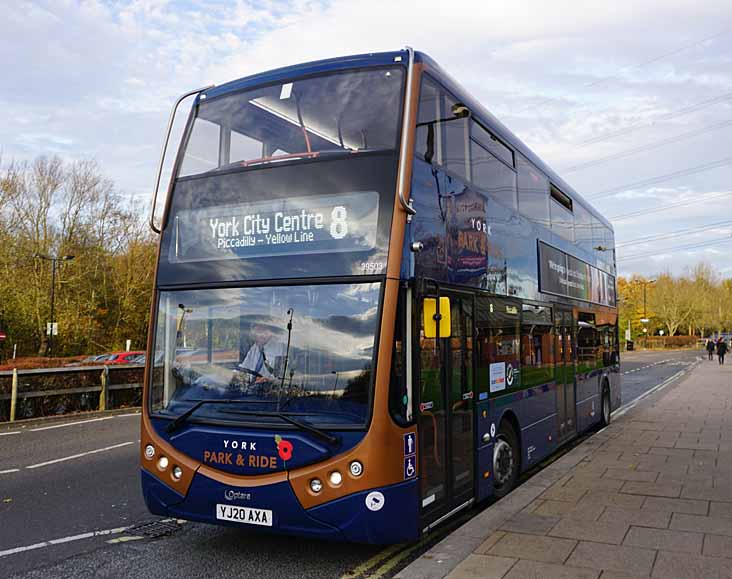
<point x="65" y="424"/>
<point x="9" y="470"/>
<point x="62" y="540"/>
<point x="623" y="409"/>
<point x="73" y="456"/>
<point x="392" y="562"/>
<point x="372" y="562"/>
<point x="125" y="539"/>
<point x="71" y="423"/>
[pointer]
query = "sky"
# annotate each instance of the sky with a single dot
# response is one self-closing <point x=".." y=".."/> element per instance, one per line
<point x="630" y="102"/>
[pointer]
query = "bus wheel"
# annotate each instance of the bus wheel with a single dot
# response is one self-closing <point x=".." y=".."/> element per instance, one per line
<point x="505" y="460"/>
<point x="605" y="417"/>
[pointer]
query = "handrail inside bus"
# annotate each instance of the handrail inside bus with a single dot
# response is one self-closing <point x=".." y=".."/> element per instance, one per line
<point x="165" y="148"/>
<point x="406" y="116"/>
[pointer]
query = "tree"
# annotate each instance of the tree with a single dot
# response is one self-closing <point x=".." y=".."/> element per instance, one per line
<point x="673" y="301"/>
<point x="56" y="208"/>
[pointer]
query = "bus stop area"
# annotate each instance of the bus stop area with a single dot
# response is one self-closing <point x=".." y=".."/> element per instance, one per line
<point x="650" y="495"/>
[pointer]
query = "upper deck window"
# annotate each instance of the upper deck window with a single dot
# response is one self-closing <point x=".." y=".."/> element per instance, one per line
<point x="561" y="215"/>
<point x="491" y="143"/>
<point x="533" y="192"/>
<point x="344" y="112"/>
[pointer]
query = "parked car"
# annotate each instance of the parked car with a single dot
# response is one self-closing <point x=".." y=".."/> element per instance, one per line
<point x="89" y="360"/>
<point x="139" y="359"/>
<point x="122" y="357"/>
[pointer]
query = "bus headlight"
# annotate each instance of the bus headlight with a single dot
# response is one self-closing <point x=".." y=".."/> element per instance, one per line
<point x="335" y="478"/>
<point x="163" y="462"/>
<point x="149" y="451"/>
<point x="316" y="485"/>
<point x="356" y="468"/>
<point x="177" y="472"/>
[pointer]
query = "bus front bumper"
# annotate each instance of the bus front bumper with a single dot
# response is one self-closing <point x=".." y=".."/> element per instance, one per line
<point x="382" y="516"/>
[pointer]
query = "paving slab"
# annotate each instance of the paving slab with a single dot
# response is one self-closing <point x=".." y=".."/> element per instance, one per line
<point x="561" y="493"/>
<point x="489" y="542"/>
<point x="530" y="524"/>
<point x="703" y="492"/>
<point x="652" y="489"/>
<point x="535" y="548"/>
<point x="638" y="518"/>
<point x="611" y="499"/>
<point x="720" y="509"/>
<point x="482" y="567"/>
<point x="687" y="506"/>
<point x="696" y="523"/>
<point x="632" y="560"/>
<point x="628" y="474"/>
<point x="599" y="531"/>
<point x="535" y="570"/>
<point x="586" y="511"/>
<point x="717" y="546"/>
<point x="665" y="539"/>
<point x="684" y="566"/>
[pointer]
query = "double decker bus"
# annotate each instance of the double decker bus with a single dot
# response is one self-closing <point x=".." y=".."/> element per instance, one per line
<point x="374" y="306"/>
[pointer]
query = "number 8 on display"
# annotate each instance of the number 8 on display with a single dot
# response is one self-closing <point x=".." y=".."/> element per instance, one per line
<point x="339" y="222"/>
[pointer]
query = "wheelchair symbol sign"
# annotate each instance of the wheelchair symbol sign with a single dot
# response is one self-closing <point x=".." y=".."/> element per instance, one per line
<point x="410" y="468"/>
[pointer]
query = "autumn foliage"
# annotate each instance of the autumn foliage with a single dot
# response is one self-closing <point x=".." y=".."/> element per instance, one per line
<point x="56" y="208"/>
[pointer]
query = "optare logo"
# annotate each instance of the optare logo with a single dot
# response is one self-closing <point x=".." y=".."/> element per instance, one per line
<point x="232" y="495"/>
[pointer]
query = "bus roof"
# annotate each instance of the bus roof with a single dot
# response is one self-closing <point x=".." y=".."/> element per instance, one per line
<point x="387" y="58"/>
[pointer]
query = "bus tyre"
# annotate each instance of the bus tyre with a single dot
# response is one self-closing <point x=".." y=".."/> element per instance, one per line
<point x="605" y="408"/>
<point x="506" y="453"/>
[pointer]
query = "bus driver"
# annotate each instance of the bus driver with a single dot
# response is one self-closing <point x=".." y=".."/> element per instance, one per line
<point x="264" y="355"/>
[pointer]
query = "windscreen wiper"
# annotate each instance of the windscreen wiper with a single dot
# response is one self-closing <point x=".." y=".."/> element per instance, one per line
<point x="322" y="434"/>
<point x="173" y="426"/>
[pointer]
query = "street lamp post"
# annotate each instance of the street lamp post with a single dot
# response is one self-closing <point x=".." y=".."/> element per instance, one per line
<point x="644" y="319"/>
<point x="54" y="259"/>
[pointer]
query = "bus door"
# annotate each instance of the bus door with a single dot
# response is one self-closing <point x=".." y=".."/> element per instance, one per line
<point x="445" y="413"/>
<point x="565" y="373"/>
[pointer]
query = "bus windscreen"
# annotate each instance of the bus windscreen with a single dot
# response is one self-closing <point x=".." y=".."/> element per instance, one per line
<point x="304" y="351"/>
<point x="348" y="112"/>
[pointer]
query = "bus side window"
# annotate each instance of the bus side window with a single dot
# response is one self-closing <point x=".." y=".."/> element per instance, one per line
<point x="589" y="350"/>
<point x="428" y="144"/>
<point x="498" y="346"/>
<point x="496" y="177"/>
<point x="537" y="355"/>
<point x="533" y="193"/>
<point x="397" y="382"/>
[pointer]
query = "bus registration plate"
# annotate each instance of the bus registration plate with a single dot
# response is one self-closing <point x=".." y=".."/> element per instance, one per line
<point x="245" y="515"/>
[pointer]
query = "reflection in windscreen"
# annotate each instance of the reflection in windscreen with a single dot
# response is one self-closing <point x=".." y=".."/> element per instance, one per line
<point x="335" y="113"/>
<point x="302" y="350"/>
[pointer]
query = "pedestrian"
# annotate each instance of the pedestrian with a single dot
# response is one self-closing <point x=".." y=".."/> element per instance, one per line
<point x="721" y="349"/>
<point x="710" y="347"/>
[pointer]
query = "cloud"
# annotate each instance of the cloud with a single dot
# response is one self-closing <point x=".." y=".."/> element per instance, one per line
<point x="94" y="78"/>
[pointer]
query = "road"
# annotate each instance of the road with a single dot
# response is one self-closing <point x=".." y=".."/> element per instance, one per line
<point x="68" y="487"/>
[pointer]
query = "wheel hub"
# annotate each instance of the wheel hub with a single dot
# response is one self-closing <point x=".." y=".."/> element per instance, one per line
<point x="502" y="461"/>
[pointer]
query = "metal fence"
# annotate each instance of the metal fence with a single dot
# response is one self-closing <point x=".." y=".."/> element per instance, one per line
<point x="55" y="391"/>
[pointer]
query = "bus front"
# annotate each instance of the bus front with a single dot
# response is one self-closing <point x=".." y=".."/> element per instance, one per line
<point x="266" y="394"/>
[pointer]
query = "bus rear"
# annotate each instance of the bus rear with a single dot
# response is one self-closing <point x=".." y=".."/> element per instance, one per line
<point x="272" y="328"/>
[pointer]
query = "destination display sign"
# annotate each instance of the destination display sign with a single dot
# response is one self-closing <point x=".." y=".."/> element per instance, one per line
<point x="565" y="275"/>
<point x="291" y="226"/>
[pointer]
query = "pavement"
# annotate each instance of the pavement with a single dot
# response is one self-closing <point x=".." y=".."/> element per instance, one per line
<point x="70" y="506"/>
<point x="648" y="496"/>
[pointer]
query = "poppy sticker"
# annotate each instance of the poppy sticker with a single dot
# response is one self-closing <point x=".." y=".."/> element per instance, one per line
<point x="284" y="447"/>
